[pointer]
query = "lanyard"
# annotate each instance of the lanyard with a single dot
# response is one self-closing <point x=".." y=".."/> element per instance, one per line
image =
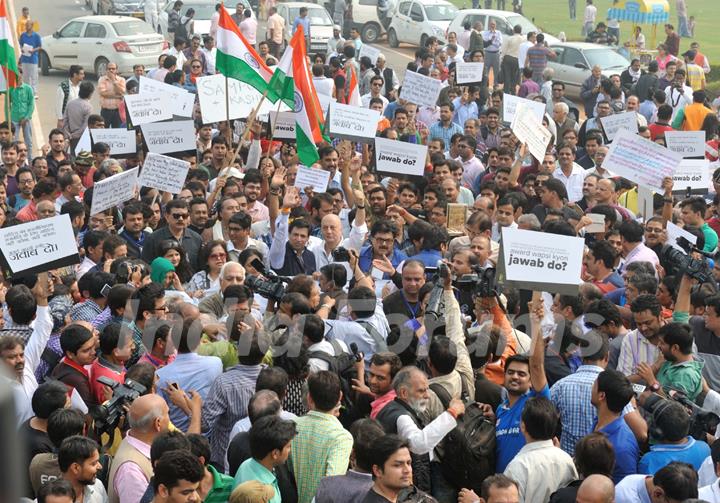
<point x="407" y="304"/>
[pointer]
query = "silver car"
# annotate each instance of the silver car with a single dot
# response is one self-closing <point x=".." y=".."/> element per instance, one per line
<point x="93" y="41"/>
<point x="575" y="60"/>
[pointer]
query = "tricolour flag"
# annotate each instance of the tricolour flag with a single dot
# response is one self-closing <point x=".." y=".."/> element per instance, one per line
<point x="353" y="97"/>
<point x="7" y="52"/>
<point x="236" y="57"/>
<point x="293" y="84"/>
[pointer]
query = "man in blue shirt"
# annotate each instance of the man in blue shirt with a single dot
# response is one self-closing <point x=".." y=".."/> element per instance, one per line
<point x="524" y="379"/>
<point x="382" y="246"/>
<point x="30" y="44"/>
<point x="611" y="393"/>
<point x="304" y="21"/>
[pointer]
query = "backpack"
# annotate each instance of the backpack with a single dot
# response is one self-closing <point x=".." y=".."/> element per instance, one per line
<point x="342" y="364"/>
<point x="467" y="453"/>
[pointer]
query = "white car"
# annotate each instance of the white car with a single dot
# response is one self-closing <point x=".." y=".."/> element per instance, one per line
<point x="505" y="21"/>
<point x="321" y="24"/>
<point x="204" y="10"/>
<point x="93" y="41"/>
<point x="417" y="20"/>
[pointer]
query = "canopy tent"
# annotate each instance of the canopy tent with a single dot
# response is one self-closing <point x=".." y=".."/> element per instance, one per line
<point x="641" y="11"/>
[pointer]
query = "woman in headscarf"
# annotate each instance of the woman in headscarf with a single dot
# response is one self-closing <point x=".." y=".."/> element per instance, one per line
<point x="163" y="272"/>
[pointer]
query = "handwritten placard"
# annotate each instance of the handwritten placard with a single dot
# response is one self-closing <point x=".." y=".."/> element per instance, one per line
<point x="641" y="161"/>
<point x="243" y="99"/>
<point x="40" y="245"/>
<point x="113" y="191"/>
<point x="420" y="89"/>
<point x="510" y="104"/>
<point x="352" y="123"/>
<point x="369" y="51"/>
<point x="469" y="73"/>
<point x="456" y="217"/>
<point x="282" y="125"/>
<point x="530" y="130"/>
<point x="181" y="100"/>
<point x="612" y="124"/>
<point x="147" y="108"/>
<point x="169" y="137"/>
<point x="310" y="177"/>
<point x="163" y="173"/>
<point x="693" y="173"/>
<point x="686" y="143"/>
<point x="598" y="223"/>
<point x="393" y="156"/>
<point x="121" y="141"/>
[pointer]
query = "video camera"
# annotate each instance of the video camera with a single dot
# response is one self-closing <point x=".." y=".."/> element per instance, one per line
<point x="684" y="262"/>
<point x="107" y="416"/>
<point x="272" y="288"/>
<point x="702" y="422"/>
<point x="481" y="284"/>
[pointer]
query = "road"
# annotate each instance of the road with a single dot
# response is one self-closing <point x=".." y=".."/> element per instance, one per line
<point x="51" y="19"/>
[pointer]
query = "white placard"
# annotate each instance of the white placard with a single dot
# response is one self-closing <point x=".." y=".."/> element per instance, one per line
<point x="598" y="223"/>
<point x="686" y="143"/>
<point x="674" y="232"/>
<point x="352" y="123"/>
<point x="113" y="191"/>
<point x="147" y="108"/>
<point x="169" y="137"/>
<point x="369" y="51"/>
<point x="469" y="73"/>
<point x="530" y="130"/>
<point x="536" y="258"/>
<point x="121" y="141"/>
<point x="420" y="89"/>
<point x="84" y="143"/>
<point x="393" y="156"/>
<point x="163" y="173"/>
<point x="309" y="177"/>
<point x="39" y="245"/>
<point x="324" y="100"/>
<point x="243" y="99"/>
<point x="26" y="49"/>
<point x="641" y="161"/>
<point x="282" y="125"/>
<point x="181" y="100"/>
<point x="693" y="173"/>
<point x="511" y="102"/>
<point x="612" y="124"/>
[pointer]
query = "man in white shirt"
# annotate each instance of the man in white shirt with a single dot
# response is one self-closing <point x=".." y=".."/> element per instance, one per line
<point x="589" y="18"/>
<point x="210" y="51"/>
<point x="248" y="27"/>
<point x="675" y="482"/>
<point x="569" y="172"/>
<point x="522" y="51"/>
<point x="376" y="86"/>
<point x="177" y="51"/>
<point x="67" y="90"/>
<point x="678" y="94"/>
<point x="334" y="41"/>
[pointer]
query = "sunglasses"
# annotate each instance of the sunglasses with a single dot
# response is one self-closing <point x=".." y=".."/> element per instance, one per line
<point x="179" y="216"/>
<point x="217" y="256"/>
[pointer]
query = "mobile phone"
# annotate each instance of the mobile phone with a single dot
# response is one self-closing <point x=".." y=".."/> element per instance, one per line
<point x="638" y="388"/>
<point x="377" y="273"/>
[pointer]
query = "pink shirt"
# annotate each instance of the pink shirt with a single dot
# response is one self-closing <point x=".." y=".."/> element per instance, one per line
<point x="259" y="212"/>
<point x="130" y="482"/>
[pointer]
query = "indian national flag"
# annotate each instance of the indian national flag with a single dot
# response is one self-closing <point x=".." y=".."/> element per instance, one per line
<point x="236" y="57"/>
<point x="292" y="83"/>
<point x="353" y="97"/>
<point x="7" y="53"/>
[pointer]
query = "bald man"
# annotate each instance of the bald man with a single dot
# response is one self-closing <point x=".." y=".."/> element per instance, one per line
<point x="596" y="489"/>
<point x="131" y="469"/>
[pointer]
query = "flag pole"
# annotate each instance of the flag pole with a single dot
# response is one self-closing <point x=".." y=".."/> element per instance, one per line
<point x="272" y="129"/>
<point x="228" y="133"/>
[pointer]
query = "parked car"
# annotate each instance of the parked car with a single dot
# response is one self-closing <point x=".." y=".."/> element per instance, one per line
<point x="204" y="10"/>
<point x="415" y="21"/>
<point x="505" y="21"/>
<point x="91" y="41"/>
<point x="575" y="60"/>
<point x="321" y="23"/>
<point x="132" y="8"/>
<point x="363" y="16"/>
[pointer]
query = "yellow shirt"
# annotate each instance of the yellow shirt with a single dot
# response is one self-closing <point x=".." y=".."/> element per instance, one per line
<point x="629" y="200"/>
<point x="20" y="26"/>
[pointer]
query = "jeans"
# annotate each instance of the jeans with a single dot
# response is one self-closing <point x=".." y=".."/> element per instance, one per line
<point x="615" y="32"/>
<point x="510" y="74"/>
<point x="111" y="116"/>
<point x="683" y="27"/>
<point x="27" y="135"/>
<point x="572" y="4"/>
<point x="492" y="60"/>
<point x="30" y="76"/>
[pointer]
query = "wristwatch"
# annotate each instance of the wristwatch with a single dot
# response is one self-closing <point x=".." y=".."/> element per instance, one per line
<point x="655" y="387"/>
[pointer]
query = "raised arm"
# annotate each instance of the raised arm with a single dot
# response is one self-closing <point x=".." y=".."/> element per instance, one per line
<point x="537" y="352"/>
<point x="517" y="166"/>
<point x="277" y="248"/>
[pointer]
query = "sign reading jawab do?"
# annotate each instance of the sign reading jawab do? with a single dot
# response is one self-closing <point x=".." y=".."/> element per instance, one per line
<point x="399" y="158"/>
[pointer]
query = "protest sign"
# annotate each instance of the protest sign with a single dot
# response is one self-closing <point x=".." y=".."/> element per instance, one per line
<point x="121" y="141"/>
<point x="393" y="156"/>
<point x="510" y="104"/>
<point x="352" y="123"/>
<point x="597" y="225"/>
<point x="618" y="122"/>
<point x="168" y="137"/>
<point x="538" y="261"/>
<point x="639" y="160"/>
<point x="420" y="89"/>
<point x="456" y="218"/>
<point x="316" y="178"/>
<point x="469" y="73"/>
<point x="39" y="245"/>
<point x="675" y="232"/>
<point x="114" y="190"/>
<point x="181" y="101"/>
<point x="282" y="125"/>
<point x="85" y="143"/>
<point x="686" y="143"/>
<point x="369" y="51"/>
<point x="243" y="99"/>
<point x="529" y="130"/>
<point x="147" y="108"/>
<point x="693" y="173"/>
<point x="163" y="173"/>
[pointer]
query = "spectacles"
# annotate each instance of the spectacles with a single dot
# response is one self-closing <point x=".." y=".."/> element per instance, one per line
<point x="195" y="66"/>
<point x="557" y="89"/>
<point x="381" y="240"/>
<point x="377" y="84"/>
<point x="651" y="230"/>
<point x="161" y="308"/>
<point x="25" y="182"/>
<point x="217" y="256"/>
<point x="179" y="216"/>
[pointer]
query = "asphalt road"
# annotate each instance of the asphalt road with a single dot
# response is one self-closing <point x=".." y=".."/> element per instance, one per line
<point x="52" y="18"/>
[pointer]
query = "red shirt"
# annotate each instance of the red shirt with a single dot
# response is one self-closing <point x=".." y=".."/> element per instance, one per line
<point x="100" y="369"/>
<point x="658" y="130"/>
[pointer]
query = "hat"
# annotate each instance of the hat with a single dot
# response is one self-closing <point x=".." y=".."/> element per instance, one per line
<point x="84" y="158"/>
<point x="337" y="27"/>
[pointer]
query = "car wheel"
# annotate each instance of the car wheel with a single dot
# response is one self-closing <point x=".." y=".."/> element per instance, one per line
<point x="370" y="33"/>
<point x="101" y="67"/>
<point x="392" y="38"/>
<point x="423" y="39"/>
<point x="44" y="63"/>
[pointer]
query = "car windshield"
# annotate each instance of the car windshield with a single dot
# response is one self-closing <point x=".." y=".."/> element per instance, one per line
<point x="526" y="25"/>
<point x="440" y="12"/>
<point x="132" y="27"/>
<point x="605" y="59"/>
<point x="203" y="11"/>
<point x="318" y="17"/>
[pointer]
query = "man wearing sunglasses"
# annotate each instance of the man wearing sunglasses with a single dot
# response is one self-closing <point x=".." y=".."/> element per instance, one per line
<point x="177" y="215"/>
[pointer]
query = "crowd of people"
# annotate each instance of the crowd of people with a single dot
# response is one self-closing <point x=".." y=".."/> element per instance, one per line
<point x="249" y="340"/>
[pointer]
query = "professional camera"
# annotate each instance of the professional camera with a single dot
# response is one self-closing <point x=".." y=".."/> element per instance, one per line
<point x="434" y="309"/>
<point x="695" y="268"/>
<point x="272" y="289"/>
<point x="341" y="254"/>
<point x="108" y="416"/>
<point x="702" y="422"/>
<point x="480" y="284"/>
